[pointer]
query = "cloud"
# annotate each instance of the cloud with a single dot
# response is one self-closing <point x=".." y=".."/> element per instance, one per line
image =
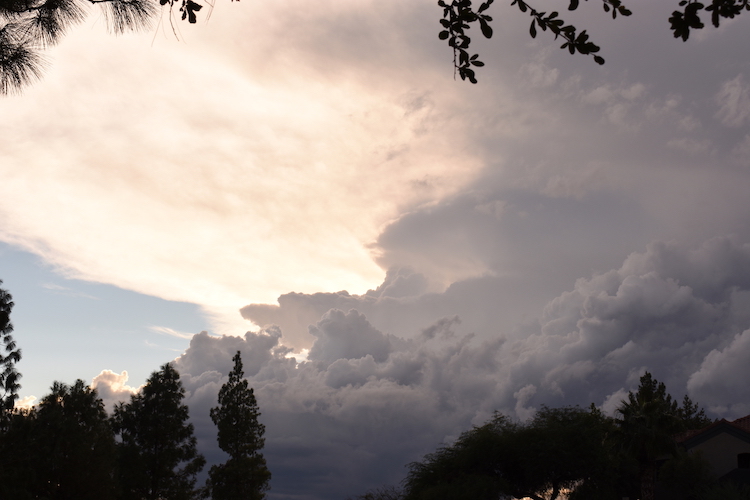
<point x="361" y="405"/>
<point x="295" y="312"/>
<point x="164" y="330"/>
<point x="678" y="311"/>
<point x="62" y="290"/>
<point x="734" y="102"/>
<point x="289" y="170"/>
<point x="278" y="182"/>
<point x="340" y="335"/>
<point x="720" y="380"/>
<point x="25" y="402"/>
<point x="112" y="387"/>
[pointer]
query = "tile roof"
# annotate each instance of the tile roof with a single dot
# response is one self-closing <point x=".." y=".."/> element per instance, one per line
<point x="742" y="424"/>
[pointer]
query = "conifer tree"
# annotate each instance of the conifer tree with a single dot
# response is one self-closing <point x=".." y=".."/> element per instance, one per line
<point x="74" y="447"/>
<point x="244" y="476"/>
<point x="10" y="354"/>
<point x="158" y="458"/>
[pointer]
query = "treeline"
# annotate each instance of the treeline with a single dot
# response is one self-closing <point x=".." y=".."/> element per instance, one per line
<point x="68" y="448"/>
<point x="573" y="453"/>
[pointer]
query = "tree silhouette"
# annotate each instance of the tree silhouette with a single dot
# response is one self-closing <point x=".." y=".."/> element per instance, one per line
<point x="648" y="421"/>
<point x="10" y="354"/>
<point x="158" y="459"/>
<point x="74" y="446"/>
<point x="61" y="449"/>
<point x="559" y="449"/>
<point x="245" y="475"/>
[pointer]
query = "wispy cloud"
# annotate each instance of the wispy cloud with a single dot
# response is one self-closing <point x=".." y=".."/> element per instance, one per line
<point x="171" y="332"/>
<point x="62" y="290"/>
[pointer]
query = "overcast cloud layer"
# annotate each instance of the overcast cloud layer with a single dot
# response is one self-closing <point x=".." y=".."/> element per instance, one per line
<point x="436" y="250"/>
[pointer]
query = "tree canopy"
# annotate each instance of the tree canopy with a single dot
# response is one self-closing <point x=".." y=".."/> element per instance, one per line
<point x="580" y="452"/>
<point x="647" y="422"/>
<point x="245" y="475"/>
<point x="73" y="433"/>
<point x="68" y="448"/>
<point x="61" y="449"/>
<point x="560" y="449"/>
<point x="158" y="458"/>
<point x="10" y="354"/>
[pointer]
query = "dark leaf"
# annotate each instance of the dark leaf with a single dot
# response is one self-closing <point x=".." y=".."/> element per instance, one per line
<point x="484" y="6"/>
<point x="463" y="57"/>
<point x="486" y="28"/>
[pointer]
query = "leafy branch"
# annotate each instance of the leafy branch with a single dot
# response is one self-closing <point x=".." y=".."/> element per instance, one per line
<point x="689" y="17"/>
<point x="458" y="16"/>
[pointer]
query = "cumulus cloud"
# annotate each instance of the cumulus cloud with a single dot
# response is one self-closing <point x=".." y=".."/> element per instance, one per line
<point x="295" y="312"/>
<point x="721" y="380"/>
<point x="112" y="387"/>
<point x="347" y="336"/>
<point x="368" y="401"/>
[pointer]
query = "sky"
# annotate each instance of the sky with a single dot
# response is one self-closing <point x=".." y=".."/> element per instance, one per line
<point x="396" y="253"/>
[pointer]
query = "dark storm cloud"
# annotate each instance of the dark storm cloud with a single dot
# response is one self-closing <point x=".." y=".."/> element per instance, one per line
<point x="368" y="401"/>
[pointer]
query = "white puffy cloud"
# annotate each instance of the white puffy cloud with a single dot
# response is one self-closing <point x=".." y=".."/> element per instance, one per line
<point x="113" y="388"/>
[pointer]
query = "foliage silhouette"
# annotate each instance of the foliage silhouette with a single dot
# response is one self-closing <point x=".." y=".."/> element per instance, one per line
<point x="245" y="475"/>
<point x="157" y="455"/>
<point x="10" y="354"/>
<point x="74" y="445"/>
<point x="63" y="448"/>
<point x="647" y="422"/>
<point x="458" y="16"/>
<point x="28" y="27"/>
<point x="559" y="449"/>
<point x="581" y="452"/>
<point x="381" y="493"/>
